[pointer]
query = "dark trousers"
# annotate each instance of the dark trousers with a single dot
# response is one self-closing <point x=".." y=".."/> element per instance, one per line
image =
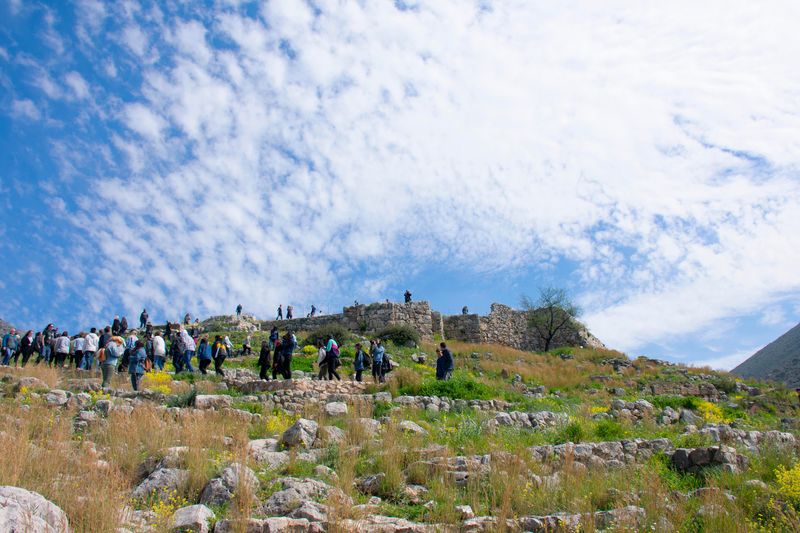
<point x="218" y="365"/>
<point x="358" y="375"/>
<point x="332" y="370"/>
<point x="263" y="371"/>
<point x="286" y="367"/>
<point x="377" y="373"/>
<point x="136" y="379"/>
<point x="61" y="358"/>
<point x="204" y="364"/>
<point x="26" y="356"/>
<point x="75" y="358"/>
<point x="323" y="371"/>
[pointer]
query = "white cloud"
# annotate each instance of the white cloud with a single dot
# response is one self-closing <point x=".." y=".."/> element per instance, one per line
<point x="78" y="85"/>
<point x="651" y="146"/>
<point x="25" y="108"/>
<point x="727" y="362"/>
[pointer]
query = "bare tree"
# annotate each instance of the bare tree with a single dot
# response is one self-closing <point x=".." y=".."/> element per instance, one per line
<point x="552" y="312"/>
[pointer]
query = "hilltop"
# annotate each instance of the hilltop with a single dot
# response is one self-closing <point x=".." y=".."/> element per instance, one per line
<point x="577" y="438"/>
<point x="777" y="361"/>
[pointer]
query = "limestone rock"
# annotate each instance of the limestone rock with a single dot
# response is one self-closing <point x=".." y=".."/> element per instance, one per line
<point x="311" y="511"/>
<point x="294" y="493"/>
<point x="412" y="427"/>
<point x="25" y="511"/>
<point x="330" y="434"/>
<point x="303" y="434"/>
<point x="56" y="398"/>
<point x="336" y="409"/>
<point x="193" y="518"/>
<point x="160" y="483"/>
<point x="212" y="401"/>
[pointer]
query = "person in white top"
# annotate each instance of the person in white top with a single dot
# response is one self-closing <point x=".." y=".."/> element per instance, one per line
<point x="159" y="351"/>
<point x="189" y="347"/>
<point x="76" y="351"/>
<point x="90" y="345"/>
<point x="61" y="345"/>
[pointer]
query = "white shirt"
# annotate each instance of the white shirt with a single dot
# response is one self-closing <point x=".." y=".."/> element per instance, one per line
<point x="188" y="341"/>
<point x="159" y="346"/>
<point x="62" y="344"/>
<point x="91" y="342"/>
<point x="78" y="344"/>
<point x="321" y="354"/>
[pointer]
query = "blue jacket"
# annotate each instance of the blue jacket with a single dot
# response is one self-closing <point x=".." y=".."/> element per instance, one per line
<point x="136" y="364"/>
<point x="377" y="354"/>
<point x="113" y="352"/>
<point x="359" y="363"/>
<point x="204" y="352"/>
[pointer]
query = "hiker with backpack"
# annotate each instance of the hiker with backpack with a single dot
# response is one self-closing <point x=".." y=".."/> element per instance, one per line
<point x="288" y="344"/>
<point x="188" y="345"/>
<point x="332" y="361"/>
<point x="264" y="361"/>
<point x="10" y="346"/>
<point x="220" y="353"/>
<point x="277" y="359"/>
<point x="378" y="369"/>
<point x="273" y="337"/>
<point x="204" y="355"/>
<point x="136" y="364"/>
<point x="361" y="361"/>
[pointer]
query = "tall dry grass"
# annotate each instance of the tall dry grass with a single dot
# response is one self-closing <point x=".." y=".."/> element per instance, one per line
<point x="39" y="454"/>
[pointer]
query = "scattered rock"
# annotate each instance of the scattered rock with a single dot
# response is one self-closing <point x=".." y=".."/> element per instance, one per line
<point x="302" y="434"/>
<point x="335" y="409"/>
<point x="193" y="518"/>
<point x="25" y="511"/>
<point x="412" y="427"/>
<point x="160" y="484"/>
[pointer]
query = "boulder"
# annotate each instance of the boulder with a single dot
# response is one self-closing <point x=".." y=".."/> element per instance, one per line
<point x="336" y="409"/>
<point x="412" y="427"/>
<point x="212" y="401"/>
<point x="371" y="484"/>
<point x="303" y="433"/>
<point x="311" y="511"/>
<point x="330" y="434"/>
<point x="294" y="493"/>
<point x="215" y="493"/>
<point x="25" y="511"/>
<point x="269" y="525"/>
<point x="688" y="417"/>
<point x="56" y="398"/>
<point x="193" y="518"/>
<point x="160" y="484"/>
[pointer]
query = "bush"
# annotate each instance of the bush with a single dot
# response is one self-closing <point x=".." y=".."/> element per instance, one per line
<point x="321" y="335"/>
<point x="572" y="432"/>
<point x="400" y="335"/>
<point x="461" y="387"/>
<point x="609" y="430"/>
<point x="788" y="481"/>
<point x="676" y="402"/>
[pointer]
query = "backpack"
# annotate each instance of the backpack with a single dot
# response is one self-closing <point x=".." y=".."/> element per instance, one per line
<point x="386" y="365"/>
<point x="101" y="354"/>
<point x="335" y="351"/>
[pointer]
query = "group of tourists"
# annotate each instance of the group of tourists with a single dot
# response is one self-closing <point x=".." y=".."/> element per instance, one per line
<point x="276" y="354"/>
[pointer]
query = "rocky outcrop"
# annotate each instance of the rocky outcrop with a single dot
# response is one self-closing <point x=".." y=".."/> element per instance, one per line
<point x="752" y="440"/>
<point x="25" y="511"/>
<point x="609" y="454"/>
<point x="534" y="420"/>
<point x="194" y="518"/>
<point x="302" y="433"/>
<point x="697" y="459"/>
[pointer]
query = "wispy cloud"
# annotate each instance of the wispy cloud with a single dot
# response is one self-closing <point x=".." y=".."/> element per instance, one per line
<point x="288" y="154"/>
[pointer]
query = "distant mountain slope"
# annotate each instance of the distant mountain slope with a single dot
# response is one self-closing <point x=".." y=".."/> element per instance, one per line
<point x="4" y="326"/>
<point x="778" y="360"/>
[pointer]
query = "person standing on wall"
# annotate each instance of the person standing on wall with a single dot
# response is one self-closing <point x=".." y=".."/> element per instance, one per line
<point x="289" y="311"/>
<point x="143" y="319"/>
<point x="407" y="296"/>
<point x="280" y="312"/>
<point x="378" y="351"/>
<point x="238" y="310"/>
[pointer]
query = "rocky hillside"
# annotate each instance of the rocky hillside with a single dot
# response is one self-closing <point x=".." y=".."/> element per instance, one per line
<point x="579" y="439"/>
<point x="4" y="326"/>
<point x="777" y="361"/>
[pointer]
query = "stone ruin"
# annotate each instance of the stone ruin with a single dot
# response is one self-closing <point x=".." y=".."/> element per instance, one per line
<point x="503" y="325"/>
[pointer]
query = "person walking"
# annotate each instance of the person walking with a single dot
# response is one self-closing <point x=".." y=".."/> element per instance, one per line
<point x="62" y="349"/>
<point x="277" y="359"/>
<point x="322" y="356"/>
<point x="204" y="355"/>
<point x="110" y="358"/>
<point x="332" y="359"/>
<point x="26" y="347"/>
<point x="280" y="312"/>
<point x="76" y="350"/>
<point x="378" y="352"/>
<point x="115" y="326"/>
<point x="361" y="361"/>
<point x="444" y="364"/>
<point x="288" y="344"/>
<point x="186" y="319"/>
<point x="10" y="346"/>
<point x="104" y="338"/>
<point x="38" y="347"/>
<point x="48" y="336"/>
<point x="407" y="296"/>
<point x="289" y="311"/>
<point x="176" y="352"/>
<point x="273" y="338"/>
<point x="189" y="347"/>
<point x="313" y="310"/>
<point x="91" y="343"/>
<point x="238" y="310"/>
<point x="246" y="349"/>
<point x="195" y="327"/>
<point x="159" y="351"/>
<point x="220" y="353"/>
<point x="136" y="364"/>
<point x="264" y="361"/>
<point x="143" y="319"/>
<point x="123" y="325"/>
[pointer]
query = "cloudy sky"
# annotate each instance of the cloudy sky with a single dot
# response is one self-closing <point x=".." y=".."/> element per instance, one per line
<point x="643" y="155"/>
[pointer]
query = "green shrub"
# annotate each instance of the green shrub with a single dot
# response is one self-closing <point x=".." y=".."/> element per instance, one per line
<point x="182" y="399"/>
<point x="400" y="335"/>
<point x="461" y="387"/>
<point x="321" y="335"/>
<point x="609" y="430"/>
<point x="572" y="432"/>
<point x="676" y="402"/>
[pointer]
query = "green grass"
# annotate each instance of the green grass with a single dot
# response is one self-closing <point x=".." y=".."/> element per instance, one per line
<point x="460" y="387"/>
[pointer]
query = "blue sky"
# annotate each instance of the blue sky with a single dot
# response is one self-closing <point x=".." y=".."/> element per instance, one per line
<point x="189" y="156"/>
